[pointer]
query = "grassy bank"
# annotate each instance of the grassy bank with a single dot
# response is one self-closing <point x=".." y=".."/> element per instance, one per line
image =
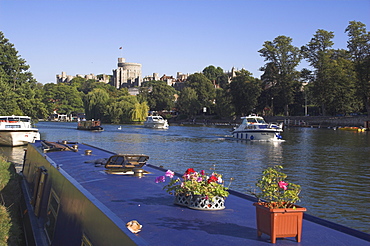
<point x="11" y="232"/>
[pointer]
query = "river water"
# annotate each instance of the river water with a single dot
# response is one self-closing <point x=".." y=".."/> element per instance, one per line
<point x="332" y="166"/>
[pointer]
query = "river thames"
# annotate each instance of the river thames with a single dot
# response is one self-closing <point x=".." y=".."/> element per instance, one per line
<point x="332" y="166"/>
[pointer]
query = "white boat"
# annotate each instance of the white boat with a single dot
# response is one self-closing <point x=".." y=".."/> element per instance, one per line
<point x="254" y="127"/>
<point x="156" y="121"/>
<point x="17" y="131"/>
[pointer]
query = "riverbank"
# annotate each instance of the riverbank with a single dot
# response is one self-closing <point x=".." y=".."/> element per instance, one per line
<point x="322" y="121"/>
<point x="304" y="121"/>
<point x="11" y="232"/>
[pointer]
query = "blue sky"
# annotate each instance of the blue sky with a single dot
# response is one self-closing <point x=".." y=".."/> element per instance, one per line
<point x="165" y="36"/>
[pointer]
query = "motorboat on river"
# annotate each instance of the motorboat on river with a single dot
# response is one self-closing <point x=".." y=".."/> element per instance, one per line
<point x="17" y="131"/>
<point x="90" y="125"/>
<point x="254" y="127"/>
<point x="156" y="121"/>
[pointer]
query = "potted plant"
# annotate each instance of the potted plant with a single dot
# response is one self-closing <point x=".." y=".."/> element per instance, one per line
<point x="276" y="212"/>
<point x="196" y="190"/>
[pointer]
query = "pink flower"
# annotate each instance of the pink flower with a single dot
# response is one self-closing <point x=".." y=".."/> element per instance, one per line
<point x="199" y="179"/>
<point x="283" y="185"/>
<point x="202" y="172"/>
<point x="170" y="174"/>
<point x="160" y="179"/>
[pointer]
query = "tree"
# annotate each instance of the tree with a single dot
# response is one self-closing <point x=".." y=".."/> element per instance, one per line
<point x="245" y="91"/>
<point x="224" y="106"/>
<point x="20" y="95"/>
<point x="318" y="52"/>
<point x="204" y="89"/>
<point x="285" y="58"/>
<point x="342" y="73"/>
<point x="222" y="81"/>
<point x="212" y="73"/>
<point x="161" y="97"/>
<point x="188" y="103"/>
<point x="270" y="90"/>
<point x="359" y="47"/>
<point x="96" y="103"/>
<point x="126" y="109"/>
<point x="63" y="98"/>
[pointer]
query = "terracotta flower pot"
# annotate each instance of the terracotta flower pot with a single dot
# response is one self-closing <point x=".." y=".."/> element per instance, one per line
<point x="279" y="222"/>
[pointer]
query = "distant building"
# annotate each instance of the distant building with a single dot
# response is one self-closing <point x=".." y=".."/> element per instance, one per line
<point x="155" y="77"/>
<point x="64" y="78"/>
<point x="232" y="74"/>
<point x="168" y="79"/>
<point x="127" y="74"/>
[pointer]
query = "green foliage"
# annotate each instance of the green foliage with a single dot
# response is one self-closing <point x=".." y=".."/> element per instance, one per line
<point x="139" y="112"/>
<point x="126" y="109"/>
<point x="359" y="48"/>
<point x="19" y="93"/>
<point x="96" y="102"/>
<point x="196" y="183"/>
<point x="212" y="73"/>
<point x="4" y="173"/>
<point x="161" y="97"/>
<point x="188" y="103"/>
<point x="285" y="58"/>
<point x="244" y="91"/>
<point x="275" y="190"/>
<point x="204" y="89"/>
<point x="63" y="98"/>
<point x="10" y="218"/>
<point x="5" y="221"/>
<point x="224" y="106"/>
<point x="5" y="225"/>
<point x="333" y="79"/>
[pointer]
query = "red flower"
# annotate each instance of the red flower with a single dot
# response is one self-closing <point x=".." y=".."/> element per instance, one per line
<point x="212" y="179"/>
<point x="190" y="171"/>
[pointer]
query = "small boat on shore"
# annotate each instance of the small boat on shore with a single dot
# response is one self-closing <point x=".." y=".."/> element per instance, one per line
<point x="254" y="127"/>
<point x="17" y="131"/>
<point x="90" y="125"/>
<point x="156" y="121"/>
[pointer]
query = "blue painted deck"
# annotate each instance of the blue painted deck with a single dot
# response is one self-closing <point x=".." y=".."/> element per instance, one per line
<point x="126" y="198"/>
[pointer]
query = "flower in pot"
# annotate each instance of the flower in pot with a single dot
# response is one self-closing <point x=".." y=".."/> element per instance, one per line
<point x="196" y="190"/>
<point x="276" y="211"/>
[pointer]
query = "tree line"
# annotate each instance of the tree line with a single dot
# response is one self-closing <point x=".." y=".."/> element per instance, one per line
<point x="337" y="82"/>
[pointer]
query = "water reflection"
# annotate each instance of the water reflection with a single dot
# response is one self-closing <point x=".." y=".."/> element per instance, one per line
<point x="13" y="154"/>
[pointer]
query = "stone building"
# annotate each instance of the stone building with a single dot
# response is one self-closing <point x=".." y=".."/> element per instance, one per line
<point x="127" y="74"/>
<point x="64" y="78"/>
<point x="155" y="77"/>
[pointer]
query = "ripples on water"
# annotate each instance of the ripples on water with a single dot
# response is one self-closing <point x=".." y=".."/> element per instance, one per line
<point x="331" y="166"/>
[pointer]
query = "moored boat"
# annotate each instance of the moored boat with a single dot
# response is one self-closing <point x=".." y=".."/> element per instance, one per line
<point x="254" y="127"/>
<point x="156" y="121"/>
<point x="78" y="194"/>
<point x="90" y="125"/>
<point x="17" y="131"/>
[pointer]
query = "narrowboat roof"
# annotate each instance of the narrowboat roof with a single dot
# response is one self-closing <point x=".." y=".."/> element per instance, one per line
<point x="127" y="197"/>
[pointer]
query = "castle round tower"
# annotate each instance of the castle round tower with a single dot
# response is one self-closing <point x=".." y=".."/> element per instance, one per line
<point x="127" y="74"/>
